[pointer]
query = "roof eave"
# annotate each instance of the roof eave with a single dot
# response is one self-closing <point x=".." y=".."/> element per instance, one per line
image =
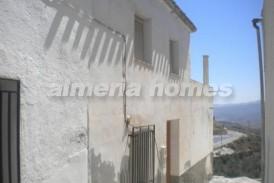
<point x="172" y="4"/>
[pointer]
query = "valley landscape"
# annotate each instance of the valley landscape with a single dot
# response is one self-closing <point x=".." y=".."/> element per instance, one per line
<point x="241" y="156"/>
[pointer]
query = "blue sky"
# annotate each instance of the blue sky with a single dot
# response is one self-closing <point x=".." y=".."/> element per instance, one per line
<point x="226" y="34"/>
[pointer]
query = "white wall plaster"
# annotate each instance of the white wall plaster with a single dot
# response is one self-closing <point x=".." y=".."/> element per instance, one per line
<point x="44" y="42"/>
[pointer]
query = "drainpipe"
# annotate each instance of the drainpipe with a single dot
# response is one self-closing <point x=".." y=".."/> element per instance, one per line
<point x="124" y="75"/>
<point x="205" y="70"/>
<point x="124" y="65"/>
<point x="255" y="22"/>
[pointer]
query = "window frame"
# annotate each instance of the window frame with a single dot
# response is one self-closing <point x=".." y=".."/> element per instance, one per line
<point x="146" y="44"/>
<point x="174" y="61"/>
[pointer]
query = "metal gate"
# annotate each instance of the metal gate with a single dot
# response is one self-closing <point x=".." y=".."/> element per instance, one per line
<point x="9" y="131"/>
<point x="142" y="154"/>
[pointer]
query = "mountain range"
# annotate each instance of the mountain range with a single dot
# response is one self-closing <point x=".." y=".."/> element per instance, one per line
<point x="246" y="114"/>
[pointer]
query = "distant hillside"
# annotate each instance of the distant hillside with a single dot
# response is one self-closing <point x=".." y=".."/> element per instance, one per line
<point x="244" y="113"/>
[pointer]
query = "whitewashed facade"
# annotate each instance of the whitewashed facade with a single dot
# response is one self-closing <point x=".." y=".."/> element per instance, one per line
<point x="85" y="139"/>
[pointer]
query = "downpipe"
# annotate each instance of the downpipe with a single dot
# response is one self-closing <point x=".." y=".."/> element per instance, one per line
<point x="124" y="65"/>
<point x="255" y="23"/>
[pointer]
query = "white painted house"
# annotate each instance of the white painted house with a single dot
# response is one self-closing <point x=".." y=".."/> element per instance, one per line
<point x="69" y="139"/>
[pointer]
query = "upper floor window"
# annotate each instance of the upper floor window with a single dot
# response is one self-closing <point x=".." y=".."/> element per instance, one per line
<point x="139" y="38"/>
<point x="142" y="37"/>
<point x="174" y="57"/>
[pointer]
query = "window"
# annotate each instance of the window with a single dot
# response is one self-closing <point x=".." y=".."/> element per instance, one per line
<point x="139" y="39"/>
<point x="174" y="57"/>
<point x="142" y="39"/>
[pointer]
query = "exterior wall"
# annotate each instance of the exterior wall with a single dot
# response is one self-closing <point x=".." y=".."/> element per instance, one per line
<point x="199" y="173"/>
<point x="79" y="139"/>
<point x="269" y="87"/>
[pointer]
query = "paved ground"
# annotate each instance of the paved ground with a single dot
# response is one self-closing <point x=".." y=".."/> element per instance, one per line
<point x="235" y="180"/>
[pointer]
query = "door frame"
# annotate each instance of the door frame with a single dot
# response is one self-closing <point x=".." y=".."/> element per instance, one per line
<point x="11" y="86"/>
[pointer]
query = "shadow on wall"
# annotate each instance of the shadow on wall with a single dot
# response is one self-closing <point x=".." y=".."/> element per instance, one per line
<point x="124" y="174"/>
<point x="94" y="46"/>
<point x="104" y="171"/>
<point x="96" y="43"/>
<point x="160" y="176"/>
<point x="198" y="173"/>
